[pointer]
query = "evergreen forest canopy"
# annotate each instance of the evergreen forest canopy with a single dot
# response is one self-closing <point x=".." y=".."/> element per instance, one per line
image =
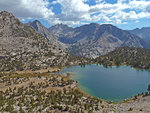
<point x="135" y="57"/>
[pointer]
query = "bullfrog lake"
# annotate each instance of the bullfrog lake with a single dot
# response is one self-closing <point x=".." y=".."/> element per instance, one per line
<point x="112" y="83"/>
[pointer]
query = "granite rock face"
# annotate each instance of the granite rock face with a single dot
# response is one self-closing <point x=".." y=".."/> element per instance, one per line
<point x="93" y="40"/>
<point x="15" y="35"/>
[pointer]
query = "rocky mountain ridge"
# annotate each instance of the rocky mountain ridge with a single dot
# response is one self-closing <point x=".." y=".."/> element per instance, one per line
<point x="22" y="48"/>
<point x="52" y="39"/>
<point x="60" y="29"/>
<point x="144" y="33"/>
<point x="93" y="40"/>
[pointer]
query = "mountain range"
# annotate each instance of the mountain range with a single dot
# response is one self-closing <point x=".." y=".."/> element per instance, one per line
<point x="32" y="57"/>
<point x="144" y="33"/>
<point x="51" y="38"/>
<point x="92" y="40"/>
<point x="23" y="48"/>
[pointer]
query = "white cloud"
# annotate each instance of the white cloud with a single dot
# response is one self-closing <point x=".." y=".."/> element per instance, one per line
<point x="148" y="8"/>
<point x="78" y="11"/>
<point x="73" y="11"/>
<point x="27" y="8"/>
<point x="139" y="4"/>
<point x="100" y="1"/>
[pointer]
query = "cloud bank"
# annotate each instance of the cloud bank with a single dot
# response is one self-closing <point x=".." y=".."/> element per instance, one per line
<point x="77" y="12"/>
<point x="27" y="8"/>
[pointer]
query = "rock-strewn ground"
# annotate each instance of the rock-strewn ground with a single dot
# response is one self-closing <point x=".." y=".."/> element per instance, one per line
<point x="139" y="105"/>
<point x="47" y="92"/>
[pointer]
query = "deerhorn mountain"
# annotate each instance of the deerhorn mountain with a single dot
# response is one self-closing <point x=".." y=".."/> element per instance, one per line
<point x="93" y="40"/>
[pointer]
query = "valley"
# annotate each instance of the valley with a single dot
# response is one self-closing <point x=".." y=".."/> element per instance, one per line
<point x="32" y="56"/>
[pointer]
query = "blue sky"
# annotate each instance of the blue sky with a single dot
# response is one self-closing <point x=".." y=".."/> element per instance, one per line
<point x="125" y="14"/>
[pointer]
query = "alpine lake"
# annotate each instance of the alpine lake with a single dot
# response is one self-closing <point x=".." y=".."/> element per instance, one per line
<point x="112" y="83"/>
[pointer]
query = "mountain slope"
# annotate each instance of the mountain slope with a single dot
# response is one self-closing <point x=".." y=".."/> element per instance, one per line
<point x="14" y="34"/>
<point x="22" y="48"/>
<point x="135" y="57"/>
<point x="60" y="29"/>
<point x="93" y="40"/>
<point x="144" y="33"/>
<point x="45" y="32"/>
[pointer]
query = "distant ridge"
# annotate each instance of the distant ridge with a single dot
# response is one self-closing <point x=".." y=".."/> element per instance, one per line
<point x="144" y="33"/>
<point x="90" y="40"/>
<point x="93" y="40"/>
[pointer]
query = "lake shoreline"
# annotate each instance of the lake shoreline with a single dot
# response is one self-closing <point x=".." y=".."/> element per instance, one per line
<point x="59" y="69"/>
<point x="134" y="104"/>
<point x="122" y="100"/>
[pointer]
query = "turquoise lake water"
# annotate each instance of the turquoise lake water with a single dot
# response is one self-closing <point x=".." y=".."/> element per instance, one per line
<point x="112" y="83"/>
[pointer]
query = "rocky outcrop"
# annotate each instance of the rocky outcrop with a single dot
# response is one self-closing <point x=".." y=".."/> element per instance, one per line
<point x="15" y="35"/>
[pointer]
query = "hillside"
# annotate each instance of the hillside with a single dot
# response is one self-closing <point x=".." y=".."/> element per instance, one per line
<point x="22" y="48"/>
<point x="46" y="33"/>
<point x="93" y="40"/>
<point x="144" y="33"/>
<point x="136" y="57"/>
<point x="47" y="92"/>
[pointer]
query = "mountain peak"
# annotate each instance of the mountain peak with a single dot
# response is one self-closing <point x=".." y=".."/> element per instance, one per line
<point x="108" y="26"/>
<point x="61" y="26"/>
<point x="46" y="33"/>
<point x="8" y="19"/>
<point x="5" y="13"/>
<point x="36" y="24"/>
<point x="143" y="32"/>
<point x="94" y="23"/>
<point x="93" y="40"/>
<point x="13" y="32"/>
<point x="145" y="28"/>
<point x="36" y="21"/>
